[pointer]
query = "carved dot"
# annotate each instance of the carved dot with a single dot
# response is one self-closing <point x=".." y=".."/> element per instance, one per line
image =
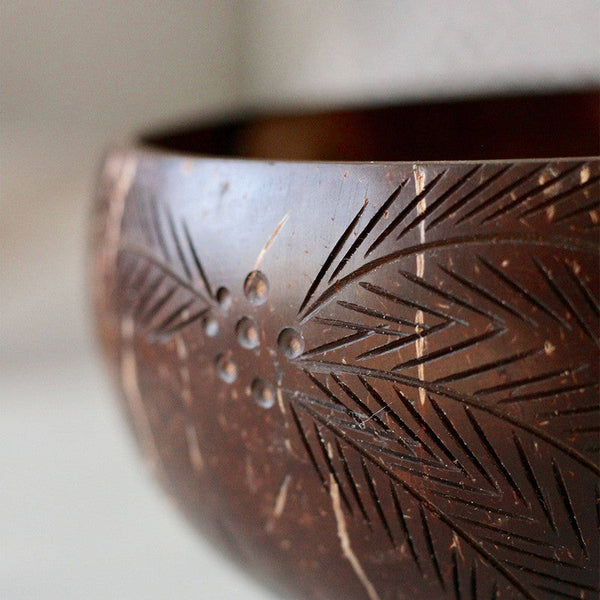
<point x="226" y="368"/>
<point x="256" y="288"/>
<point x="211" y="326"/>
<point x="224" y="298"/>
<point x="290" y="342"/>
<point x="263" y="392"/>
<point x="247" y="333"/>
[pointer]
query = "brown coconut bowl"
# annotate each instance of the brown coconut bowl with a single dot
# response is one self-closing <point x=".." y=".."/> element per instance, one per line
<point x="369" y="380"/>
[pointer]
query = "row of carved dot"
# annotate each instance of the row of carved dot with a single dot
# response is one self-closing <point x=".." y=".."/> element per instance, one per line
<point x="289" y="341"/>
<point x="261" y="390"/>
<point x="210" y="323"/>
<point x="247" y="334"/>
<point x="256" y="290"/>
<point x="291" y="344"/>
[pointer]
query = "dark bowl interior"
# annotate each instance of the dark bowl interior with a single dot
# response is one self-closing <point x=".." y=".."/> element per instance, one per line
<point x="525" y="126"/>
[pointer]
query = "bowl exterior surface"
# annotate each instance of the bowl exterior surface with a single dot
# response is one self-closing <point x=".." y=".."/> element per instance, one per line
<point x="365" y="381"/>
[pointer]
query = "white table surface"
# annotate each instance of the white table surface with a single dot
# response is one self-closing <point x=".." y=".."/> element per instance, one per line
<point x="79" y="515"/>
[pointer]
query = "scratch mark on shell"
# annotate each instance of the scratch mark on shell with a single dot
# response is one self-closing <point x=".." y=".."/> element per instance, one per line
<point x="280" y="400"/>
<point x="584" y="175"/>
<point x="280" y="501"/>
<point x="342" y="531"/>
<point x="193" y="448"/>
<point x="184" y="371"/>
<point x="419" y="175"/>
<point x="133" y="394"/>
<point x="281" y="497"/>
<point x="270" y="241"/>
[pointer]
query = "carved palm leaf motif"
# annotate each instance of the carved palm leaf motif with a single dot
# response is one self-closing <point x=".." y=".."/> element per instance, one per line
<point x="436" y="404"/>
<point x="168" y="289"/>
<point x="428" y="344"/>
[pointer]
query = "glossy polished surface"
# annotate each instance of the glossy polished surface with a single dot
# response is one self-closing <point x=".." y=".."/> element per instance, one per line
<point x="365" y="380"/>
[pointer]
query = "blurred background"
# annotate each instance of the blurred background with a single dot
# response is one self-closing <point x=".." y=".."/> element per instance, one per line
<point x="79" y="516"/>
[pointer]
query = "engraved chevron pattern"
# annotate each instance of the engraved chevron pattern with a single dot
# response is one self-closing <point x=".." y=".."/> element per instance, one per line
<point x="166" y="293"/>
<point x="431" y="391"/>
<point x="446" y="454"/>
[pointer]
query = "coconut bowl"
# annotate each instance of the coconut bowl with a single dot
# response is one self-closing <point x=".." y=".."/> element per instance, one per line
<point x="360" y="350"/>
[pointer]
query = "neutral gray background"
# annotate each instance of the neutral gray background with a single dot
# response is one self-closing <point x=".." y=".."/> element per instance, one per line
<point x="79" y="516"/>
